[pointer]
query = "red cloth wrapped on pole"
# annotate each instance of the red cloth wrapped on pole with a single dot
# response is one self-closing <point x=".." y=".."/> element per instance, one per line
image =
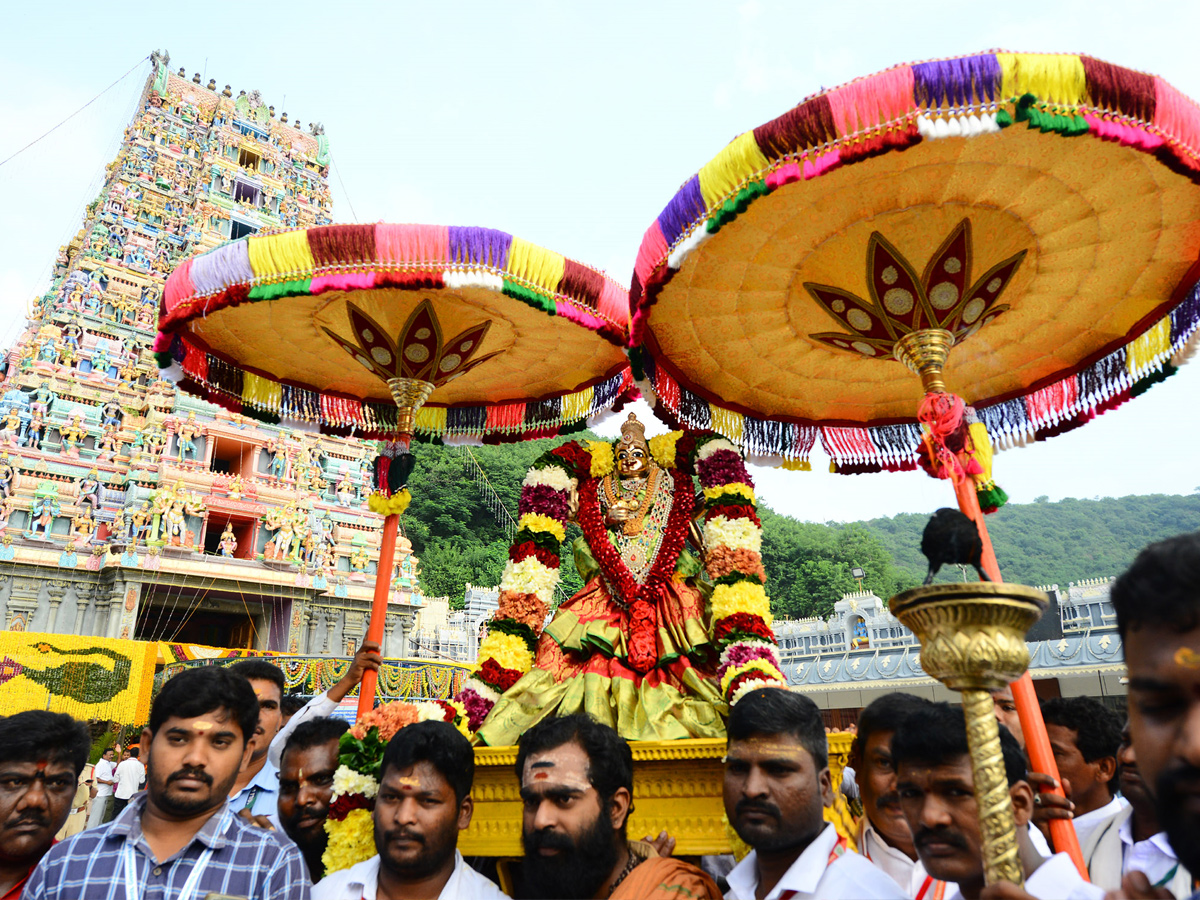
<point x="383" y="579"/>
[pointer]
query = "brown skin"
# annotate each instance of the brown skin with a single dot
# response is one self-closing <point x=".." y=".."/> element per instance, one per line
<point x="305" y="792"/>
<point x="417" y="821"/>
<point x="1144" y="817"/>
<point x="775" y="798"/>
<point x="566" y="803"/>
<point x="876" y="776"/>
<point x="269" y="717"/>
<point x="34" y="805"/>
<point x="939" y="804"/>
<point x="1006" y="713"/>
<point x="1164" y="720"/>
<point x="191" y="765"/>
<point x="1088" y="780"/>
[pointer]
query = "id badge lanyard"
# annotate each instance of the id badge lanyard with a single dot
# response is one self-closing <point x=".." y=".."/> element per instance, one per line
<point x="190" y="887"/>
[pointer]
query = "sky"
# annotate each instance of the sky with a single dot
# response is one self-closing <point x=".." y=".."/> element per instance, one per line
<point x="570" y="125"/>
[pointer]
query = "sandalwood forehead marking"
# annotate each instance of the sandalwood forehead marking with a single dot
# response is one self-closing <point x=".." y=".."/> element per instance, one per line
<point x="409" y="782"/>
<point x="203" y="725"/>
<point x="1187" y="658"/>
<point x="569" y="773"/>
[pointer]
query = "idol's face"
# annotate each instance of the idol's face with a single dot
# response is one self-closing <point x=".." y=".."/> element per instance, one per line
<point x="632" y="460"/>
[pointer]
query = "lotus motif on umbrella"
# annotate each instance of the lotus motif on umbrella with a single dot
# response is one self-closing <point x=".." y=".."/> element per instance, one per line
<point x="943" y="297"/>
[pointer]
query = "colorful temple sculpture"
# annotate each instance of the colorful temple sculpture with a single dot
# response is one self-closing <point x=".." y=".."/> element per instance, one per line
<point x="129" y="510"/>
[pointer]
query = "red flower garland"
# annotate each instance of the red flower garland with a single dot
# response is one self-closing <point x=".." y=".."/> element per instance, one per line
<point x="526" y="549"/>
<point x="496" y="676"/>
<point x="643" y="617"/>
<point x="341" y="807"/>
<point x="746" y="623"/>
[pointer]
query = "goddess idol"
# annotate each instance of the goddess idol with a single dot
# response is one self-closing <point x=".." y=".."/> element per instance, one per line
<point x="636" y="647"/>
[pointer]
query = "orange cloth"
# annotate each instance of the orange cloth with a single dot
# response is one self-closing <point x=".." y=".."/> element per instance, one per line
<point x="666" y="878"/>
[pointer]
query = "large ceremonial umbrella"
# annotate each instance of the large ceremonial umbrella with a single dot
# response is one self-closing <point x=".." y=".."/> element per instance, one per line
<point x="1022" y="227"/>
<point x="386" y="331"/>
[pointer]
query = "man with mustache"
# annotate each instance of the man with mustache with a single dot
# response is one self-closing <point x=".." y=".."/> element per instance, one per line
<point x="424" y="801"/>
<point x="883" y="835"/>
<point x="937" y="795"/>
<point x="776" y="787"/>
<point x="1084" y="735"/>
<point x="306" y="770"/>
<point x="1157" y="602"/>
<point x="179" y="839"/>
<point x="1131" y="840"/>
<point x="576" y="779"/>
<point x="41" y="756"/>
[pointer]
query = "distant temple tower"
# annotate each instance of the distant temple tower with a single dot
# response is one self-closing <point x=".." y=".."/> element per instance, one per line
<point x="128" y="510"/>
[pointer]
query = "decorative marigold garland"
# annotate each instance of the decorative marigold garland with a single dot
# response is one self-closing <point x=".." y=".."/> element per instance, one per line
<point x="356" y="780"/>
<point x="733" y="541"/>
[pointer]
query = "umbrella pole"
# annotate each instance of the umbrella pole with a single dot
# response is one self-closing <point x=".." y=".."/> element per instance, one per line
<point x="383" y="583"/>
<point x="1037" y="743"/>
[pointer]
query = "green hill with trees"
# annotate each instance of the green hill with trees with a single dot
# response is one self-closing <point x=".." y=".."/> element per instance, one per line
<point x="461" y="496"/>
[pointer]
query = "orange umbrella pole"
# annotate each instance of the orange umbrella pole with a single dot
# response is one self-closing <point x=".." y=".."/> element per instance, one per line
<point x="1037" y="743"/>
<point x="383" y="583"/>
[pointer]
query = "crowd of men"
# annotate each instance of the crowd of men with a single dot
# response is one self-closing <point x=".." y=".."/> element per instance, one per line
<point x="235" y="801"/>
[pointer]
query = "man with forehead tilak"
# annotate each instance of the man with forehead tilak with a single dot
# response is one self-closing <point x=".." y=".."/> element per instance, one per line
<point x="776" y="788"/>
<point x="424" y="801"/>
<point x="577" y="788"/>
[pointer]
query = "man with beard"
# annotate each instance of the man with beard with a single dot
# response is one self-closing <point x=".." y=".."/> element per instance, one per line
<point x="1157" y="602"/>
<point x="937" y="794"/>
<point x="179" y="839"/>
<point x="576" y="780"/>
<point x="41" y="756"/>
<point x="777" y="785"/>
<point x="306" y="770"/>
<point x="883" y="835"/>
<point x="423" y="803"/>
<point x="1131" y="840"/>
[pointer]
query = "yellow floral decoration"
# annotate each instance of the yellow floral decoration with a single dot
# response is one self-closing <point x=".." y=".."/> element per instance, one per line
<point x="742" y="490"/>
<point x="755" y="665"/>
<point x="603" y="459"/>
<point x="742" y="597"/>
<point x="394" y="505"/>
<point x="662" y="448"/>
<point x="351" y="840"/>
<point x="538" y="522"/>
<point x="507" y="650"/>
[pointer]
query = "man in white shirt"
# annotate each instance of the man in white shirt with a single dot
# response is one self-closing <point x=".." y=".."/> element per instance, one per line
<point x="776" y="787"/>
<point x="1084" y="734"/>
<point x="130" y="774"/>
<point x="883" y="835"/>
<point x="104" y="778"/>
<point x="937" y="794"/>
<point x="423" y="803"/>
<point x="1131" y="840"/>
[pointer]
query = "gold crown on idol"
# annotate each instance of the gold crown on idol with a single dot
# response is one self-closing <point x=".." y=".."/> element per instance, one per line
<point x="633" y="431"/>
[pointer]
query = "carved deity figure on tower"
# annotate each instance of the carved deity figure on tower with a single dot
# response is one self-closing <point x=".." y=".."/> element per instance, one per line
<point x="73" y="435"/>
<point x="228" y="543"/>
<point x="88" y="490"/>
<point x="187" y="431"/>
<point x="10" y="427"/>
<point x="8" y="475"/>
<point x="36" y="432"/>
<point x="44" y="509"/>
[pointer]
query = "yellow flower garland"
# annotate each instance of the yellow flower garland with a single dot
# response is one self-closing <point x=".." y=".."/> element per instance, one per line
<point x="351" y="841"/>
<point x="755" y="665"/>
<point x="538" y="522"/>
<point x="507" y="650"/>
<point x="603" y="459"/>
<point x="742" y="490"/>
<point x="662" y="448"/>
<point x="742" y="597"/>
<point x="394" y="505"/>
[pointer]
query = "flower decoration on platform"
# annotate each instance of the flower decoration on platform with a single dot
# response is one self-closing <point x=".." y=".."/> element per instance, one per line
<point x="901" y="302"/>
<point x="356" y="780"/>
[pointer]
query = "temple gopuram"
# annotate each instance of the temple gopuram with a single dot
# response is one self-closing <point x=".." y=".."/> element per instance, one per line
<point x="131" y="511"/>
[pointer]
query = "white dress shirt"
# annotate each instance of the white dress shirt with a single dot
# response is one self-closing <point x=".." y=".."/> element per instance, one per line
<point x="909" y="874"/>
<point x="106" y="769"/>
<point x="1055" y="879"/>
<point x="1086" y="823"/>
<point x="130" y="774"/>
<point x="359" y="882"/>
<point x="1154" y="857"/>
<point x="813" y="875"/>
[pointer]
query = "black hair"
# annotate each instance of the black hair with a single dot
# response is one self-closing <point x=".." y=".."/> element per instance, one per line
<point x="135" y="751"/>
<point x="610" y="760"/>
<point x="1097" y="728"/>
<point x="292" y="704"/>
<point x="936" y="734"/>
<point x="313" y="733"/>
<point x="35" y="735"/>
<point x="194" y="692"/>
<point x="260" y="670"/>
<point x="1159" y="589"/>
<point x="769" y="711"/>
<point x="884" y="714"/>
<point x="438" y="743"/>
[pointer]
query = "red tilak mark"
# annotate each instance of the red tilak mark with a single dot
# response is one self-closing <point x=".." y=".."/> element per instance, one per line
<point x="41" y="766"/>
<point x="540" y="776"/>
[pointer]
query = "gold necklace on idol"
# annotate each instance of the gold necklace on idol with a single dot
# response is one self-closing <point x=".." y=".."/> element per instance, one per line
<point x="634" y="524"/>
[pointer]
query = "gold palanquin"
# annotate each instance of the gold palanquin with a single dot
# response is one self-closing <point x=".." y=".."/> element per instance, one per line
<point x="676" y="786"/>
